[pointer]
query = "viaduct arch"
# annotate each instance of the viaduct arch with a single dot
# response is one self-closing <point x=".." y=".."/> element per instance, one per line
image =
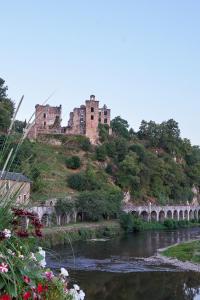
<point x="161" y="213"/>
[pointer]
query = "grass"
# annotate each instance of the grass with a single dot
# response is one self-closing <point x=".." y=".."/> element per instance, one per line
<point x="80" y="231"/>
<point x="185" y="252"/>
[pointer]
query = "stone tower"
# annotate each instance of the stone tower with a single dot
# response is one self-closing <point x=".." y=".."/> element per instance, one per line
<point x="92" y="119"/>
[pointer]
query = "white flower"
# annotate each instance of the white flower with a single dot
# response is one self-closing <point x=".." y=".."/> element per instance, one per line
<point x="81" y="295"/>
<point x="64" y="272"/>
<point x="21" y="256"/>
<point x="10" y="252"/>
<point x="32" y="256"/>
<point x="42" y="263"/>
<point x="7" y="233"/>
<point x="3" y="268"/>
<point x="76" y="287"/>
<point x="74" y="294"/>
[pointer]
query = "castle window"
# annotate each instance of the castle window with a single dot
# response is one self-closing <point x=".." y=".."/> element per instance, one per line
<point x="45" y="116"/>
<point x="105" y="112"/>
<point x="105" y="121"/>
<point x="92" y="117"/>
<point x="99" y="114"/>
<point x="99" y="120"/>
<point x="44" y="124"/>
<point x="81" y="120"/>
<point x="92" y="109"/>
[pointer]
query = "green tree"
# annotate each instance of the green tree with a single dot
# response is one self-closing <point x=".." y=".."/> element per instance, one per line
<point x="120" y="127"/>
<point x="101" y="153"/>
<point x="98" y="204"/>
<point x="19" y="126"/>
<point x="103" y="132"/>
<point x="6" y="107"/>
<point x="64" y="205"/>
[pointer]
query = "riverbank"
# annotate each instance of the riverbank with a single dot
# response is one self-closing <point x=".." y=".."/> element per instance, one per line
<point x="183" y="255"/>
<point x="189" y="251"/>
<point x="80" y="231"/>
<point x="105" y="229"/>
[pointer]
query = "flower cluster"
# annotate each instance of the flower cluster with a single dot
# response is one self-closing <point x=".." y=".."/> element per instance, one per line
<point x="5" y="234"/>
<point x="34" y="221"/>
<point x="36" y="282"/>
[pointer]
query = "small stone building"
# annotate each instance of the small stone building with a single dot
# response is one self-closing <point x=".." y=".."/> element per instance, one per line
<point x="15" y="185"/>
<point x="47" y="120"/>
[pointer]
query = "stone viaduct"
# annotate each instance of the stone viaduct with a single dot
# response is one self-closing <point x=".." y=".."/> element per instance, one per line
<point x="160" y="213"/>
<point x="146" y="212"/>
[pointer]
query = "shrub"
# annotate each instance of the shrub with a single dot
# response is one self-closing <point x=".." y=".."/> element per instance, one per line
<point x="101" y="153"/>
<point x="170" y="224"/>
<point x="99" y="203"/>
<point x="109" y="169"/>
<point x="85" y="144"/>
<point x="73" y="162"/>
<point x="130" y="223"/>
<point x="77" y="182"/>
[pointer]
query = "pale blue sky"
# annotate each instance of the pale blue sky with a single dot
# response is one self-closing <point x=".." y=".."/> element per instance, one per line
<point x="140" y="57"/>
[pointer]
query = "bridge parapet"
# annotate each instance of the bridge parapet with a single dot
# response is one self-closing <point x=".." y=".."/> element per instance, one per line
<point x="160" y="213"/>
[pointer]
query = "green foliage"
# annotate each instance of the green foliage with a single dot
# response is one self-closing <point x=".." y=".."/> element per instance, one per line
<point x="6" y="107"/>
<point x="165" y="135"/>
<point x="103" y="132"/>
<point x="101" y="153"/>
<point x="82" y="181"/>
<point x="77" y="181"/>
<point x="120" y="127"/>
<point x="64" y="205"/>
<point x="19" y="126"/>
<point x="98" y="204"/>
<point x="85" y="144"/>
<point x="130" y="223"/>
<point x="184" y="251"/>
<point x="73" y="162"/>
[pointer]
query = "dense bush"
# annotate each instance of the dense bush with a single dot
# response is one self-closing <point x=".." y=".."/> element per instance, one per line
<point x="130" y="223"/>
<point x="73" y="162"/>
<point x="77" y="182"/>
<point x="98" y="204"/>
<point x="85" y="144"/>
<point x="82" y="181"/>
<point x="101" y="153"/>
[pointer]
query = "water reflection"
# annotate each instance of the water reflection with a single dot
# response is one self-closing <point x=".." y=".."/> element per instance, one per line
<point x="122" y="269"/>
<point x="140" y="286"/>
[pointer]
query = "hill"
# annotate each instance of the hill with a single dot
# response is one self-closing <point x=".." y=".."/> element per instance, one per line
<point x="154" y="164"/>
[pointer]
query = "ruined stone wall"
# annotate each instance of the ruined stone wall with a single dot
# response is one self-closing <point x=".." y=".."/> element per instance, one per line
<point x="77" y="120"/>
<point x="47" y="120"/>
<point x="84" y="120"/>
<point x="104" y="115"/>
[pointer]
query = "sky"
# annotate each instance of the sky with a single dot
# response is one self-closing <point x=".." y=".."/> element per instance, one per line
<point x="141" y="58"/>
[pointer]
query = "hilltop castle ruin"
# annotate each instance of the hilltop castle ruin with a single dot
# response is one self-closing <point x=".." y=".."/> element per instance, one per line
<point x="84" y="120"/>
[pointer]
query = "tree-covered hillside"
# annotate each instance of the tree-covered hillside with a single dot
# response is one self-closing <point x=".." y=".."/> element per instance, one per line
<point x="153" y="164"/>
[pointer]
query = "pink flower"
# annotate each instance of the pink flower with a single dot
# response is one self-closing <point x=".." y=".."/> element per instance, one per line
<point x="49" y="275"/>
<point x="3" y="268"/>
<point x="26" y="279"/>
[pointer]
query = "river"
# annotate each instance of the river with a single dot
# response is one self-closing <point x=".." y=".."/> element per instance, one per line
<point x="124" y="268"/>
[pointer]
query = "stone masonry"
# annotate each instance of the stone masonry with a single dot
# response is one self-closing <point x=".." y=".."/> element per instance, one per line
<point x="47" y="120"/>
<point x="84" y="120"/>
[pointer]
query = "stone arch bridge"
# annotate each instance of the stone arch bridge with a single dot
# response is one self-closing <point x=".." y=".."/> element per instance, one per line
<point x="161" y="213"/>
